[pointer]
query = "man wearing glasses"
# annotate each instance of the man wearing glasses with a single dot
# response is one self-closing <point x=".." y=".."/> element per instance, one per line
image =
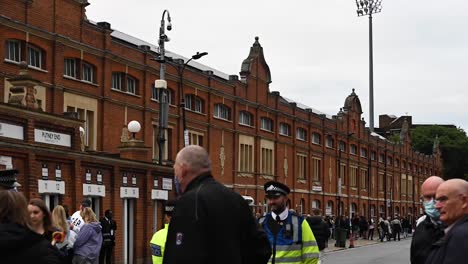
<point x="452" y="203"/>
<point x="428" y="228"/>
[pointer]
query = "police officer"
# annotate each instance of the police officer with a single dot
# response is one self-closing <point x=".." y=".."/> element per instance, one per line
<point x="290" y="235"/>
<point x="8" y="180"/>
<point x="158" y="241"/>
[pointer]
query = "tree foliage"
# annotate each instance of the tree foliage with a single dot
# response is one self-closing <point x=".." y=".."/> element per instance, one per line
<point x="453" y="145"/>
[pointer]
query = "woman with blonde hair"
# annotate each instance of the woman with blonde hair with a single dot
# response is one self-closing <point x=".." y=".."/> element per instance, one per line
<point x="60" y="222"/>
<point x="18" y="243"/>
<point x="89" y="240"/>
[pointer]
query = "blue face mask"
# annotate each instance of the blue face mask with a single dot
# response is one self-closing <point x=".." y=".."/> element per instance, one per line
<point x="177" y="185"/>
<point x="431" y="211"/>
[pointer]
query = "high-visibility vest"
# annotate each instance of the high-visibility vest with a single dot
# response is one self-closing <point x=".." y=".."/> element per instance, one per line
<point x="157" y="244"/>
<point x="299" y="247"/>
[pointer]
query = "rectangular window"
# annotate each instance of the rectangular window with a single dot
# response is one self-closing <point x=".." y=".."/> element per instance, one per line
<point x="245" y="118"/>
<point x="372" y="155"/>
<point x="166" y="153"/>
<point x="246" y="158"/>
<point x="266" y="124"/>
<point x="353" y="149"/>
<point x="198" y="105"/>
<point x="316" y="169"/>
<point x="131" y="85"/>
<point x="88" y="73"/>
<point x="301" y="134"/>
<point x="34" y="57"/>
<point x="316" y="138"/>
<point x="363" y="152"/>
<point x="117" y="81"/>
<point x="353" y="177"/>
<point x="364" y="179"/>
<point x="221" y="111"/>
<point x="389" y="161"/>
<point x="329" y="142"/>
<point x="155" y="94"/>
<point x="70" y="68"/>
<point x="343" y="174"/>
<point x="381" y="181"/>
<point x="89" y="129"/>
<point x="301" y="166"/>
<point x="381" y="158"/>
<point x="195" y="138"/>
<point x="267" y="161"/>
<point x="13" y="50"/>
<point x="403" y="184"/>
<point x="410" y="185"/>
<point x="285" y="129"/>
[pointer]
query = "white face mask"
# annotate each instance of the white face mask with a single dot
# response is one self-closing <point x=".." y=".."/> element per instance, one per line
<point x="431" y="211"/>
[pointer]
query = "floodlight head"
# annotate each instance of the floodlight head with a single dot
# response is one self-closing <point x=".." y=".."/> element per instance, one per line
<point x="160" y="84"/>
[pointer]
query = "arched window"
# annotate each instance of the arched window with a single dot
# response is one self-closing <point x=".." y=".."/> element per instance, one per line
<point x="316" y="204"/>
<point x="353" y="209"/>
<point x="329" y="210"/>
<point x="221" y="111"/>
<point x="266" y="124"/>
<point x="245" y="118"/>
<point x="194" y="103"/>
<point x="285" y="129"/>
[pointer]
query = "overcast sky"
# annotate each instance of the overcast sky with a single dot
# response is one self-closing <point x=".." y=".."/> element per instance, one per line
<point x="318" y="51"/>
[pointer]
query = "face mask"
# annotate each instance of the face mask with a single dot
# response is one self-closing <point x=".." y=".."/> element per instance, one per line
<point x="430" y="209"/>
<point x="177" y="185"/>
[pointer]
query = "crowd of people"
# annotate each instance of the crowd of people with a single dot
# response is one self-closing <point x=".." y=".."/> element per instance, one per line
<point x="199" y="229"/>
<point x="31" y="233"/>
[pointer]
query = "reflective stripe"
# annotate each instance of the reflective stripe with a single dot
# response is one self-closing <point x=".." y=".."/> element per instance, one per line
<point x="310" y="255"/>
<point x="310" y="244"/>
<point x="295" y="223"/>
<point x="287" y="260"/>
<point x="289" y="247"/>
<point x="261" y="220"/>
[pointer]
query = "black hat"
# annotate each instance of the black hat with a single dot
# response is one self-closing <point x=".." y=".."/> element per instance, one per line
<point x="274" y="188"/>
<point x="8" y="179"/>
<point x="169" y="207"/>
<point x="86" y="203"/>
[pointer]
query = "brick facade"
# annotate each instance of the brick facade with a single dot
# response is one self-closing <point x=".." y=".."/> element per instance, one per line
<point x="60" y="30"/>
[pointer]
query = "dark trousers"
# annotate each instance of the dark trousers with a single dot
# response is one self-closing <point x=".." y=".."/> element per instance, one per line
<point x="371" y="234"/>
<point x="395" y="233"/>
<point x="106" y="253"/>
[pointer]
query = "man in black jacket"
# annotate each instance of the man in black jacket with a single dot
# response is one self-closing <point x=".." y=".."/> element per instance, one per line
<point x="211" y="223"/>
<point x="109" y="226"/>
<point x="452" y="202"/>
<point x="428" y="228"/>
<point x="320" y="229"/>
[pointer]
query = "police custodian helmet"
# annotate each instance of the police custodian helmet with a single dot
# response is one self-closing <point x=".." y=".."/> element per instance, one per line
<point x="8" y="179"/>
<point x="274" y="188"/>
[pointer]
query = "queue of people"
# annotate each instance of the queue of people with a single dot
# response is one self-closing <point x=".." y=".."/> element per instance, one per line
<point x="31" y="233"/>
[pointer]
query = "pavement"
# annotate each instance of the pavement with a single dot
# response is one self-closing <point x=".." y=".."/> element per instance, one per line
<point x="357" y="243"/>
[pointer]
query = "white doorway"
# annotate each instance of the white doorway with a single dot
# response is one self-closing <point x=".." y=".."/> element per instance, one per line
<point x="128" y="230"/>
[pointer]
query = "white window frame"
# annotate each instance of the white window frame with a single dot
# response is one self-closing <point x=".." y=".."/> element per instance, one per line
<point x="131" y="85"/>
<point x="245" y="118"/>
<point x="221" y="111"/>
<point x="87" y="72"/>
<point x="353" y="149"/>
<point x="69" y="67"/>
<point x="329" y="142"/>
<point x="34" y="57"/>
<point x="316" y="169"/>
<point x="285" y="129"/>
<point x="301" y="166"/>
<point x="13" y="50"/>
<point x="117" y="81"/>
<point x="316" y="138"/>
<point x="301" y="134"/>
<point x="266" y="124"/>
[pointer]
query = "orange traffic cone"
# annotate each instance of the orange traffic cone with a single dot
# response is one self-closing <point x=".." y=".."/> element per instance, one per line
<point x="351" y="240"/>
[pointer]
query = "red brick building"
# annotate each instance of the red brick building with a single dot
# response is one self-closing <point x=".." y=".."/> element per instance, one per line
<point x="64" y="116"/>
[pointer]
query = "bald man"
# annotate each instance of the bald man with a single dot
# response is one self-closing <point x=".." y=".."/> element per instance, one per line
<point x="428" y="228"/>
<point x="211" y="223"/>
<point x="452" y="202"/>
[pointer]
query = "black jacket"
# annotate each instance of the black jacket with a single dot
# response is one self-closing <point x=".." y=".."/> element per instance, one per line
<point x="213" y="224"/>
<point x="453" y="247"/>
<point x="108" y="237"/>
<point x="18" y="244"/>
<point x="320" y="230"/>
<point x="426" y="234"/>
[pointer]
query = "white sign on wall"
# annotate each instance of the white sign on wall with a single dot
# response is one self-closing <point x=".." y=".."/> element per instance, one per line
<point x="129" y="192"/>
<point x="49" y="186"/>
<point x="54" y="138"/>
<point x="159" y="195"/>
<point x="167" y="184"/>
<point x="7" y="161"/>
<point x="317" y="188"/>
<point x="11" y="131"/>
<point x="94" y="190"/>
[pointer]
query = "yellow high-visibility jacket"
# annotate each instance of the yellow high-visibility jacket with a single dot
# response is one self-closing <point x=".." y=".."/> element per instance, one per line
<point x="157" y="243"/>
<point x="297" y="248"/>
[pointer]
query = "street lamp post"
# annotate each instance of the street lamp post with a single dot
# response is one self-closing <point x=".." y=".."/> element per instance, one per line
<point x="182" y="95"/>
<point x="161" y="85"/>
<point x="367" y="8"/>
